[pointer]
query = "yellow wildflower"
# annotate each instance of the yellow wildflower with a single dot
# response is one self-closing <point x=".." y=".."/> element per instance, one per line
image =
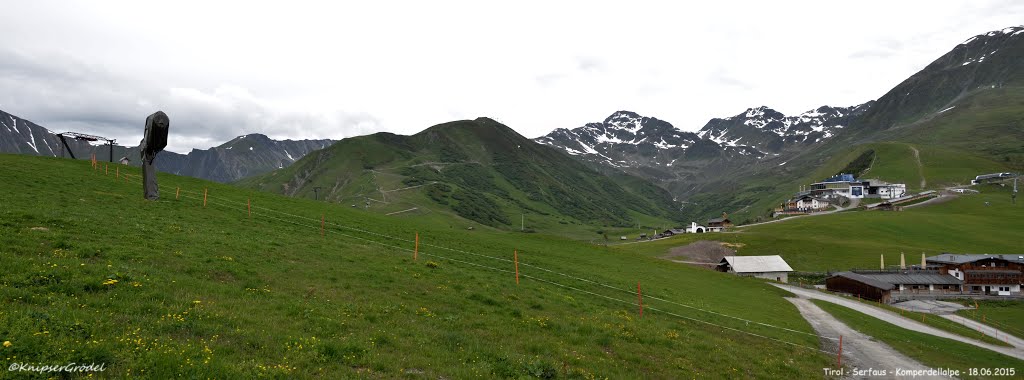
<point x="7" y="343"/>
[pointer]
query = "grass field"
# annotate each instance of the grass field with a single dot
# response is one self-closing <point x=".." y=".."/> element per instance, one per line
<point x="1003" y="315"/>
<point x="931" y="351"/>
<point x="848" y="240"/>
<point x="94" y="274"/>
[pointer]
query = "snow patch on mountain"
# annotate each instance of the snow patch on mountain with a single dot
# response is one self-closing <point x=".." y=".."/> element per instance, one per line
<point x="33" y="142"/>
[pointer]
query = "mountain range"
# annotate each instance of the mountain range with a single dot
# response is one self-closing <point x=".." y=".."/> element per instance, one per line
<point x="479" y="169"/>
<point x="966" y="105"/>
<point x="960" y="115"/>
<point x="243" y="156"/>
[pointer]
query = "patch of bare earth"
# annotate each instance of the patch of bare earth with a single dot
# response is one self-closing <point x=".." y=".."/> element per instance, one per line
<point x="703" y="253"/>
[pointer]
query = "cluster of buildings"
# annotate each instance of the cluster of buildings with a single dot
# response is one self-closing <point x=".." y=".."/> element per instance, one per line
<point x="712" y="225"/>
<point x="943" y="276"/>
<point x="822" y="195"/>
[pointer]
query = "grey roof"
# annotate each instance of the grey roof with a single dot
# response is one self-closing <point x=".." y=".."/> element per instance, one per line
<point x="749" y="264"/>
<point x="865" y="280"/>
<point x="914" y="277"/>
<point x="953" y="258"/>
<point x="889" y="280"/>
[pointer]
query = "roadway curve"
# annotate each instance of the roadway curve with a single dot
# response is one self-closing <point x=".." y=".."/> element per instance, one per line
<point x="899" y="320"/>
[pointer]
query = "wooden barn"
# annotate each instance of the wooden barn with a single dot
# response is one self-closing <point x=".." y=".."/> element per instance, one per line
<point x="889" y="286"/>
<point x="860" y="285"/>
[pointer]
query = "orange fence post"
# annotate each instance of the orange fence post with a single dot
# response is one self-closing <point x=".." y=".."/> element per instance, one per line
<point x="839" y="356"/>
<point x="117" y="172"/>
<point x="205" y="190"/>
<point x="416" y="248"/>
<point x="640" y="299"/>
<point x="515" y="258"/>
<point x="104" y="169"/>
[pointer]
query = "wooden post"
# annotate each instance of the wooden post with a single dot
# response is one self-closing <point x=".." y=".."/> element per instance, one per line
<point x="205" y="190"/>
<point x="117" y="172"/>
<point x="640" y="299"/>
<point x="322" y="220"/>
<point x="177" y="192"/>
<point x="839" y="356"/>
<point x="104" y="169"/>
<point x="416" y="248"/>
<point x="248" y="206"/>
<point x="515" y="258"/>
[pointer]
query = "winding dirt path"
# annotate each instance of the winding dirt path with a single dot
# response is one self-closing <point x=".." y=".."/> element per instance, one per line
<point x="859" y="350"/>
<point x="898" y="320"/>
<point x="920" y="168"/>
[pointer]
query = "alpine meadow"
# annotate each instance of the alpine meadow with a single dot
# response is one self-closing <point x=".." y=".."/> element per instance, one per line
<point x="346" y="190"/>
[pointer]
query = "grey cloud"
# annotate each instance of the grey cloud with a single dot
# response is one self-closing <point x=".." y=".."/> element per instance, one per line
<point x="590" y="64"/>
<point x="549" y="79"/>
<point x="722" y="77"/>
<point x="64" y="94"/>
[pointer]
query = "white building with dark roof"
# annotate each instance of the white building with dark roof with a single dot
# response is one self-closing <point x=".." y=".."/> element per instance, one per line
<point x="767" y="267"/>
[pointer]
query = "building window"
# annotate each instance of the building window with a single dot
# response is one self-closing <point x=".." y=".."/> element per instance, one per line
<point x="1004" y="288"/>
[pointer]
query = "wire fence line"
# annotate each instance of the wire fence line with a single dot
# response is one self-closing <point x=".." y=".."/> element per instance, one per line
<point x="542" y="280"/>
<point x="215" y="200"/>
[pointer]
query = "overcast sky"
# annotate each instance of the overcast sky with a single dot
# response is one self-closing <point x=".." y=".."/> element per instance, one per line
<point x="297" y="69"/>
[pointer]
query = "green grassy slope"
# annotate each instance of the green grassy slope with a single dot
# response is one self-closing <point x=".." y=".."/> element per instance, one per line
<point x="988" y="122"/>
<point x="477" y="169"/>
<point x="931" y="351"/>
<point x="174" y="289"/>
<point x="856" y="239"/>
<point x="892" y="162"/>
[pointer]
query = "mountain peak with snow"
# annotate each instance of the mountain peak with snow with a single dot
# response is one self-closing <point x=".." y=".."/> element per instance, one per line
<point x="769" y="130"/>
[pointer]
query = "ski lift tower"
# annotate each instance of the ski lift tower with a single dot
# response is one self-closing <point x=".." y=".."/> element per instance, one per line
<point x="84" y="137"/>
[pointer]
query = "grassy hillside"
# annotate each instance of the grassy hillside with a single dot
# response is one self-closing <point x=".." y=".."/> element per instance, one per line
<point x="856" y="239"/>
<point x="175" y="289"/>
<point x="987" y="121"/>
<point x="755" y="196"/>
<point x="477" y="169"/>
